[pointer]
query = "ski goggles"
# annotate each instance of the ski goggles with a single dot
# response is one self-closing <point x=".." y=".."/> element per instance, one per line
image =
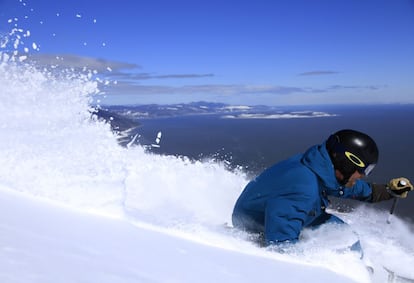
<point x="366" y="170"/>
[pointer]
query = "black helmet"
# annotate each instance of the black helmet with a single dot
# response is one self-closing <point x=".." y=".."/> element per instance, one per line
<point x="352" y="151"/>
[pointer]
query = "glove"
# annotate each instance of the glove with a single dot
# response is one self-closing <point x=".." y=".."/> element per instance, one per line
<point x="399" y="187"/>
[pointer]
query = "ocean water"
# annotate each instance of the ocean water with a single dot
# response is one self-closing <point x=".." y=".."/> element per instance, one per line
<point x="254" y="144"/>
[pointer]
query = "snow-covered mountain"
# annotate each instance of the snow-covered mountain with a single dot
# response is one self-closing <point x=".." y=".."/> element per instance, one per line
<point x="210" y="108"/>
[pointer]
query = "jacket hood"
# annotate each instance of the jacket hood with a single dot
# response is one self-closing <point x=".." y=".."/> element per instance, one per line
<point x="317" y="159"/>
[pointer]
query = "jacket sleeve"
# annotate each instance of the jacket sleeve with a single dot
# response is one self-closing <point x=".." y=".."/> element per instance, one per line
<point x="368" y="192"/>
<point x="360" y="191"/>
<point x="380" y="193"/>
<point x="285" y="218"/>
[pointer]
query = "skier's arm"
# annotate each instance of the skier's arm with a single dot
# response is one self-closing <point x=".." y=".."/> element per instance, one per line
<point x="397" y="187"/>
<point x="361" y="191"/>
<point x="379" y="193"/>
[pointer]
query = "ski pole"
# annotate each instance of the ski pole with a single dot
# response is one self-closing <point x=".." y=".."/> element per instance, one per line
<point x="394" y="204"/>
<point x="396" y="197"/>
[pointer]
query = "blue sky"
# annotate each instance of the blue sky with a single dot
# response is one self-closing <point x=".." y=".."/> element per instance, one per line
<point x="240" y="52"/>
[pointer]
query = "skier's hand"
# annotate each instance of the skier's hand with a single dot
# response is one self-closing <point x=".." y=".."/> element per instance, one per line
<point x="399" y="187"/>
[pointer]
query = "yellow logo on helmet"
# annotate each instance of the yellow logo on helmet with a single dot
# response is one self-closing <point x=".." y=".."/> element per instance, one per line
<point x="355" y="159"/>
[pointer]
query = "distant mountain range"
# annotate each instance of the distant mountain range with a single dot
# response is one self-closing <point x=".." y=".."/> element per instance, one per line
<point x="124" y="120"/>
<point x="210" y="108"/>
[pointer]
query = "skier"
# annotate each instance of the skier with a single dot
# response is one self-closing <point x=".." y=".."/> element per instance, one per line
<point x="293" y="194"/>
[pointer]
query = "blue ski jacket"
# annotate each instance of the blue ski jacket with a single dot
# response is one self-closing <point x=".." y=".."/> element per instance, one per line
<point x="291" y="195"/>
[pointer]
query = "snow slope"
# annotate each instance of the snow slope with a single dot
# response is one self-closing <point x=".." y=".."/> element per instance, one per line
<point x="44" y="242"/>
<point x="77" y="207"/>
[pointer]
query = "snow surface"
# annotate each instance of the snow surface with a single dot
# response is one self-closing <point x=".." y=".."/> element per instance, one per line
<point x="77" y="207"/>
<point x="43" y="242"/>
